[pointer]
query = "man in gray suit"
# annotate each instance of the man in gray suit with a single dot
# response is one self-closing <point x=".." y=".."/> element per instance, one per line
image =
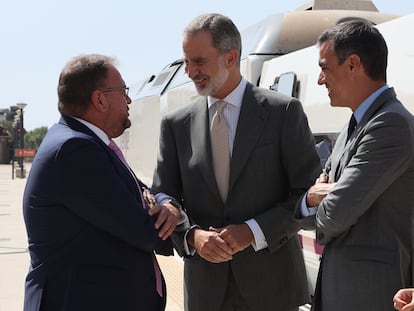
<point x="242" y="251"/>
<point x="364" y="205"/>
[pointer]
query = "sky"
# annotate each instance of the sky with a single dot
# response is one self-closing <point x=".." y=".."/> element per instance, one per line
<point x="39" y="37"/>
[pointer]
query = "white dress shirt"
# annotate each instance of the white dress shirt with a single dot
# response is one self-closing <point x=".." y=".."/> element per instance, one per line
<point x="231" y="113"/>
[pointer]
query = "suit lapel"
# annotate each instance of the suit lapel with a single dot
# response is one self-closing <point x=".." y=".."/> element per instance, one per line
<point x="127" y="171"/>
<point x="252" y="120"/>
<point x="378" y="103"/>
<point x="338" y="154"/>
<point x="341" y="156"/>
<point x="198" y="131"/>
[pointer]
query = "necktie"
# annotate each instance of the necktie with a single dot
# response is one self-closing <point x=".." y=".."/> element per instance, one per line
<point x="220" y="149"/>
<point x="158" y="278"/>
<point x="117" y="151"/>
<point x="351" y="126"/>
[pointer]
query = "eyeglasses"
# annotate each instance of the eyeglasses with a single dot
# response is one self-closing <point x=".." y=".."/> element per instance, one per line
<point x="111" y="89"/>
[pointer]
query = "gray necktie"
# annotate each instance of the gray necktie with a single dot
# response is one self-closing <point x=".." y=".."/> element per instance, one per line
<point x="220" y="149"/>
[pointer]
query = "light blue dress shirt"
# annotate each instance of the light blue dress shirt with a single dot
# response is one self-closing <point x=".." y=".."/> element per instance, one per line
<point x="358" y="114"/>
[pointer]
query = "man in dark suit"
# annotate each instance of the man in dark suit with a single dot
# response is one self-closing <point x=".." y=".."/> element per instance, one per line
<point x="364" y="206"/>
<point x="242" y="251"/>
<point x="91" y="238"/>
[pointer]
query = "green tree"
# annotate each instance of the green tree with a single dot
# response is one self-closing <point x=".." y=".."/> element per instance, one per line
<point x="32" y="139"/>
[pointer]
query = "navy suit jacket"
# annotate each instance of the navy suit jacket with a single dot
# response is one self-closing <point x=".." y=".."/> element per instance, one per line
<point x="90" y="239"/>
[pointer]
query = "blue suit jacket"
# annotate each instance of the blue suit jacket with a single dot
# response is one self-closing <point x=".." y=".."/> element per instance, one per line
<point x="90" y="239"/>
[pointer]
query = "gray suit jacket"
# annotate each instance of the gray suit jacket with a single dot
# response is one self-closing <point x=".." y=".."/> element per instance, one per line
<point x="273" y="162"/>
<point x="366" y="222"/>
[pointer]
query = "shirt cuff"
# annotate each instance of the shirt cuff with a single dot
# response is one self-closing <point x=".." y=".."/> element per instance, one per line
<point x="189" y="250"/>
<point x="259" y="242"/>
<point x="305" y="210"/>
<point x="162" y="198"/>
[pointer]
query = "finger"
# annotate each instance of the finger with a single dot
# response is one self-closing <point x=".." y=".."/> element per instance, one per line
<point x="223" y="247"/>
<point x="399" y="303"/>
<point x="211" y="251"/>
<point x="218" y="260"/>
<point x="217" y="257"/>
<point x="166" y="231"/>
<point x="218" y="230"/>
<point x="156" y="209"/>
<point x="408" y="307"/>
<point x="162" y="218"/>
<point x="168" y="227"/>
<point x="232" y="243"/>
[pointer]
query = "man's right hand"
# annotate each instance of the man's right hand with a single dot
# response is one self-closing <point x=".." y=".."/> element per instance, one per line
<point x="209" y="245"/>
<point x="318" y="191"/>
<point x="404" y="299"/>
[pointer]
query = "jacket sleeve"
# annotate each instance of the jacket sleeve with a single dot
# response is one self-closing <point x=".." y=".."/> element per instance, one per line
<point x="104" y="193"/>
<point x="301" y="165"/>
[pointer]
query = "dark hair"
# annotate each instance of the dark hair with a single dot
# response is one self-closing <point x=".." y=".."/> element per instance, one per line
<point x="362" y="38"/>
<point x="224" y="33"/>
<point x="79" y="78"/>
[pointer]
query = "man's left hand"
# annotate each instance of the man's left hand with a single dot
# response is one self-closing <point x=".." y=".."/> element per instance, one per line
<point x="238" y="237"/>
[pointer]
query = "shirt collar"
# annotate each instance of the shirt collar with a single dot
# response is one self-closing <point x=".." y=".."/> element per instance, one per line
<point x="360" y="111"/>
<point x="234" y="98"/>
<point x="98" y="132"/>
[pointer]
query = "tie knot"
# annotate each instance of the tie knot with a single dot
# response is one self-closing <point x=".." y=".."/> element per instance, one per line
<point x="220" y="106"/>
<point x="117" y="151"/>
<point x="113" y="145"/>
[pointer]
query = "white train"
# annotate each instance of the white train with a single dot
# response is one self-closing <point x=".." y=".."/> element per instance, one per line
<point x="278" y="53"/>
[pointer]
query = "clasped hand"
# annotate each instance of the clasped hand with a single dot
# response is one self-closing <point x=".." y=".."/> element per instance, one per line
<point x="220" y="244"/>
<point x="167" y="214"/>
<point x="404" y="299"/>
<point x="319" y="190"/>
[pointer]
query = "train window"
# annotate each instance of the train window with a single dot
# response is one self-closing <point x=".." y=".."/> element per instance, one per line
<point x="161" y="78"/>
<point x="287" y="84"/>
<point x="180" y="78"/>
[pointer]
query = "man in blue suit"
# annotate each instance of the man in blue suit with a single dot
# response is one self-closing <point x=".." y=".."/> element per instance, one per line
<point x="91" y="236"/>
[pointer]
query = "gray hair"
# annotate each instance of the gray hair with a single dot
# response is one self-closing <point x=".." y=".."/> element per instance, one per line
<point x="224" y="33"/>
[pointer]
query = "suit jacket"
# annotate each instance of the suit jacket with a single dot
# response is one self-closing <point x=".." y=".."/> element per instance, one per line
<point x="366" y="222"/>
<point x="90" y="239"/>
<point x="273" y="162"/>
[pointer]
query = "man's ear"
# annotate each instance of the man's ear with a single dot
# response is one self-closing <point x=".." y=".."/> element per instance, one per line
<point x="98" y="100"/>
<point x="354" y="62"/>
<point x="231" y="58"/>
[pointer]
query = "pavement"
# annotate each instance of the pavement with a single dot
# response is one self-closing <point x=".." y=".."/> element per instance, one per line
<point x="14" y="257"/>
